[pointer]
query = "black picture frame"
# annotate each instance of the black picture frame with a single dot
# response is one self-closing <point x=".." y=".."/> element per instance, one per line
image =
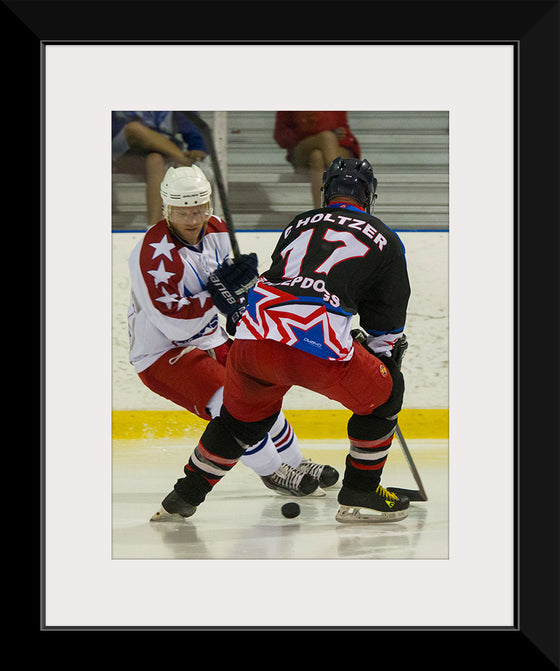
<point x="532" y="27"/>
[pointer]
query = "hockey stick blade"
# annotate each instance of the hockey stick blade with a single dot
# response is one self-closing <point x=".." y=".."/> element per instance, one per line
<point x="204" y="128"/>
<point x="411" y="494"/>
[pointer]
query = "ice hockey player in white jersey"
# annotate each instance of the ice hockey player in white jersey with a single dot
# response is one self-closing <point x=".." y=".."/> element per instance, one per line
<point x="180" y="271"/>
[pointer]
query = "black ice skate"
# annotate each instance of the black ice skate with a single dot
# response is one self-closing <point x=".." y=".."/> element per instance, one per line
<point x="290" y="481"/>
<point x="327" y="475"/>
<point x="371" y="507"/>
<point x="173" y="509"/>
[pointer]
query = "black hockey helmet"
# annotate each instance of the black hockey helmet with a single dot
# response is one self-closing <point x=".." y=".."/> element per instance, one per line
<point x="350" y="177"/>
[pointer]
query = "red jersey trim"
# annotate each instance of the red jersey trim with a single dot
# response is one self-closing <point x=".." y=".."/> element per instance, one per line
<point x="162" y="269"/>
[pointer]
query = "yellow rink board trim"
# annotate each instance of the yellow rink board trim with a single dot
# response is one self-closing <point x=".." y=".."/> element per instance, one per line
<point x="308" y="424"/>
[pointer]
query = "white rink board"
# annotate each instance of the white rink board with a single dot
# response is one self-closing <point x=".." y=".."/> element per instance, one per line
<point x="426" y="362"/>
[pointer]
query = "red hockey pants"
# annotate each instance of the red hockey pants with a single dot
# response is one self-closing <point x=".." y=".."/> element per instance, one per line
<point x="260" y="372"/>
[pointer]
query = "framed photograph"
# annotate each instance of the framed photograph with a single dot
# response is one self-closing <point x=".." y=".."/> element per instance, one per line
<point x="494" y="68"/>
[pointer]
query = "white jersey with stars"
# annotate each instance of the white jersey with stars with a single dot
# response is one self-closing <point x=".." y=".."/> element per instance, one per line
<point x="169" y="304"/>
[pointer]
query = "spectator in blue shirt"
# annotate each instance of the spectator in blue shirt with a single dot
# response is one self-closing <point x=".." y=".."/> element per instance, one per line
<point x="159" y="139"/>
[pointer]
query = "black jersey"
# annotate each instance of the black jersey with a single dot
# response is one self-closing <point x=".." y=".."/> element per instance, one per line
<point x="329" y="265"/>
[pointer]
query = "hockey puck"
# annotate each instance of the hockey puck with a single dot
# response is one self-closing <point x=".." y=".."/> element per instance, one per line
<point x="290" y="510"/>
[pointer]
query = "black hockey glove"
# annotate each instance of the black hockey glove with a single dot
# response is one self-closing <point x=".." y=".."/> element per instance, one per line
<point x="234" y="319"/>
<point x="399" y="350"/>
<point x="230" y="283"/>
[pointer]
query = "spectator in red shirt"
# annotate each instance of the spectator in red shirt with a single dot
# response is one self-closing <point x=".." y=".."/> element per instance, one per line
<point x="313" y="140"/>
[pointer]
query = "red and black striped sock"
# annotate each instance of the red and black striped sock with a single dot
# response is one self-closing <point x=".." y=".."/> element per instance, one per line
<point x="215" y="455"/>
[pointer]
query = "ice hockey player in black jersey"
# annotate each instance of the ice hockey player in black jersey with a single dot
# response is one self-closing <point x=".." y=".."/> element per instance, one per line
<point x="331" y="266"/>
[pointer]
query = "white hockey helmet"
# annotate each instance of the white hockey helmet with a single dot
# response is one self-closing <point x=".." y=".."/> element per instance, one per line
<point x="186" y="186"/>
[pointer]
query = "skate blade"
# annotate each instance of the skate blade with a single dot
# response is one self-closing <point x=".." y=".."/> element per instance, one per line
<point x="314" y="494"/>
<point x="356" y="515"/>
<point x="163" y="516"/>
<point x="318" y="493"/>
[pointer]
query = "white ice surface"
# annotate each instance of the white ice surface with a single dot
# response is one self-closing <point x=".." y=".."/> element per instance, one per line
<point x="241" y="518"/>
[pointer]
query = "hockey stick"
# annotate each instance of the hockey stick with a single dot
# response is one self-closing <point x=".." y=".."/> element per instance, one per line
<point x="412" y="494"/>
<point x="204" y="128"/>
